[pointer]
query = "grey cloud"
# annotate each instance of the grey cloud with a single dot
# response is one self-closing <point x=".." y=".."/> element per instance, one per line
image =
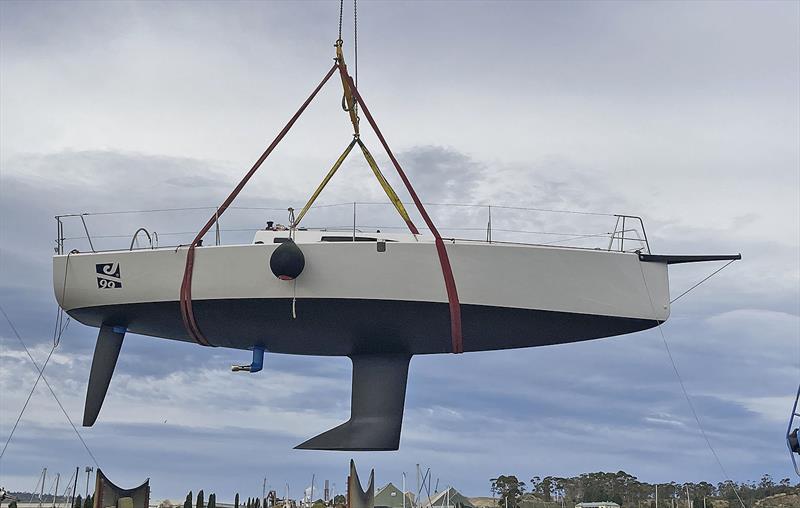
<point x="445" y="174"/>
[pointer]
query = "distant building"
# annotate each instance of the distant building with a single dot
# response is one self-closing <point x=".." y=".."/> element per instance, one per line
<point x="448" y="498"/>
<point x="601" y="504"/>
<point x="392" y="497"/>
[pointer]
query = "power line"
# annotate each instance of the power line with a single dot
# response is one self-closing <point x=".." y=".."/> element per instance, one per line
<point x="696" y="416"/>
<point x="25" y="406"/>
<point x="42" y="377"/>
<point x="686" y="393"/>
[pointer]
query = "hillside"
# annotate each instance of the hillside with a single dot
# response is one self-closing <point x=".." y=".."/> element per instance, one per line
<point x="784" y="500"/>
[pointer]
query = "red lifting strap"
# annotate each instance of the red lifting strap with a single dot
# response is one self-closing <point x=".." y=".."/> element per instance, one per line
<point x="447" y="270"/>
<point x="186" y="287"/>
<point x="452" y="294"/>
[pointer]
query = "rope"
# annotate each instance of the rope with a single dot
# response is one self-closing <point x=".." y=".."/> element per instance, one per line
<point x="686" y="393"/>
<point x="294" y="299"/>
<point x="702" y="281"/>
<point x="60" y="314"/>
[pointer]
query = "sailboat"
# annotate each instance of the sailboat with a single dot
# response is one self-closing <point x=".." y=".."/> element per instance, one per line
<point x="377" y="298"/>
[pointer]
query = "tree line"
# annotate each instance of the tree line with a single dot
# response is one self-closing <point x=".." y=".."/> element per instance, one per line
<point x="627" y="490"/>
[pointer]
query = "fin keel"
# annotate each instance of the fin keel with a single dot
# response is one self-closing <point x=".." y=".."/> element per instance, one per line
<point x="376" y="408"/>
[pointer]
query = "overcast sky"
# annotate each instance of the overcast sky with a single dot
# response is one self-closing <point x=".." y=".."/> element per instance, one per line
<point x="686" y="113"/>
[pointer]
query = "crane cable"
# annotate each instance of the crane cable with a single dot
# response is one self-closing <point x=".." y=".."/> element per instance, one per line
<point x="341" y="11"/>
<point x="355" y="42"/>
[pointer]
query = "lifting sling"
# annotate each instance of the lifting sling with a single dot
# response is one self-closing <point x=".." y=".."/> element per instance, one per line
<point x="390" y="193"/>
<point x="444" y="260"/>
<point x="352" y="99"/>
<point x="187" y="311"/>
<point x="351" y="107"/>
<point x="324" y="182"/>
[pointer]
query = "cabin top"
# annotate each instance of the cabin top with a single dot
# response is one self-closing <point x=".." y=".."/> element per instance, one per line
<point x="280" y="234"/>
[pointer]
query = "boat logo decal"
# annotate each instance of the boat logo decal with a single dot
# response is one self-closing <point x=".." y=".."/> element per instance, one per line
<point x="108" y="276"/>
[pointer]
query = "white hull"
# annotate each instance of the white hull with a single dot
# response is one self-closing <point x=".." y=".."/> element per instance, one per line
<point x="488" y="276"/>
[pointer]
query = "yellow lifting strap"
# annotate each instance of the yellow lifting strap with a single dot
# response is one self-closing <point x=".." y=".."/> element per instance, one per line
<point x="352" y="110"/>
<point x="325" y="181"/>
<point x="348" y="94"/>
<point x="373" y="165"/>
<point x="384" y="183"/>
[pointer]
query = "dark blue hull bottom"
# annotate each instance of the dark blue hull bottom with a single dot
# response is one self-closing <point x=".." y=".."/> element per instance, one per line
<point x="344" y="327"/>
